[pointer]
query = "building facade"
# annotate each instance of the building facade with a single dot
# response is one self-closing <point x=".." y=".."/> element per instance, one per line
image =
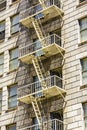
<point x="43" y="65"/>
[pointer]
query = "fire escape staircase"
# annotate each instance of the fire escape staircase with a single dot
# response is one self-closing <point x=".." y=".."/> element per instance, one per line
<point x="36" y="63"/>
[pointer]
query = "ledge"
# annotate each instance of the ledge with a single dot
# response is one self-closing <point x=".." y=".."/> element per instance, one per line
<point x="15" y="2"/>
<point x="14" y="35"/>
<point x="82" y="43"/>
<point x="81" y="3"/>
<point x="11" y="109"/>
<point x="83" y="86"/>
<point x="14" y="70"/>
<point x="2" y="40"/>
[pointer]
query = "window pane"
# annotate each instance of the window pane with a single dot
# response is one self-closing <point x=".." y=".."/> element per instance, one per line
<point x="1" y="58"/>
<point x="12" y="91"/>
<point x="15" y="28"/>
<point x="12" y="102"/>
<point x="84" y="77"/>
<point x="85" y="109"/>
<point x="15" y="19"/>
<point x="84" y="64"/>
<point x="85" y="123"/>
<point x="12" y="127"/>
<point x="1" y="69"/>
<point x="84" y="35"/>
<point x="14" y="53"/>
<point x="13" y="64"/>
<point x="0" y="101"/>
<point x="83" y="23"/>
<point x="2" y="26"/>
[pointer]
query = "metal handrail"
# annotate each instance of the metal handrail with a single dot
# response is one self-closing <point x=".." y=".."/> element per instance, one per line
<point x="49" y="40"/>
<point x="36" y="87"/>
<point x="47" y="3"/>
<point x="55" y="124"/>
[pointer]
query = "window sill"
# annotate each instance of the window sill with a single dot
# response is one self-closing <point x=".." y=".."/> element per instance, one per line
<point x="2" y="9"/>
<point x="82" y="3"/>
<point x="15" y="2"/>
<point x="83" y="86"/>
<point x="14" y="70"/>
<point x="11" y="109"/>
<point x="14" y="35"/>
<point x="1" y="75"/>
<point x="82" y="43"/>
<point x="2" y="40"/>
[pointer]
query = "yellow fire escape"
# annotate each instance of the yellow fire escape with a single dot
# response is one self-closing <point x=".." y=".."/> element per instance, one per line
<point x="49" y="50"/>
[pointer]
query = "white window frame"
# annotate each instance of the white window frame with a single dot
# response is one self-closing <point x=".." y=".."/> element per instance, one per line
<point x="81" y="30"/>
<point x="9" y="97"/>
<point x="16" y="58"/>
<point x="81" y="71"/>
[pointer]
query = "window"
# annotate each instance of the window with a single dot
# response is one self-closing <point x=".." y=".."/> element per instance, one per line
<point x="85" y="114"/>
<point x="11" y="127"/>
<point x="15" y="24"/>
<point x="2" y="30"/>
<point x="13" y="64"/>
<point x="12" y="96"/>
<point x="84" y="70"/>
<point x="1" y="64"/>
<point x="0" y="101"/>
<point x="83" y="29"/>
<point x="2" y="5"/>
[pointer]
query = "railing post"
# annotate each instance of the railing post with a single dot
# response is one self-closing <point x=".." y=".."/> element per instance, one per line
<point x="54" y="39"/>
<point x="55" y="125"/>
<point x="53" y="2"/>
<point x="54" y="79"/>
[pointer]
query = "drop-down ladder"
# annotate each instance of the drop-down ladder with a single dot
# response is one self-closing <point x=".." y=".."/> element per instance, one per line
<point x="38" y="31"/>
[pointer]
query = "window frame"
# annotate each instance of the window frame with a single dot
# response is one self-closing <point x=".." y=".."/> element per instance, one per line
<point x="2" y="64"/>
<point x="83" y="71"/>
<point x="84" y="117"/>
<point x="10" y="60"/>
<point x="2" y="32"/>
<point x="82" y="30"/>
<point x="10" y="97"/>
<point x="1" y="101"/>
<point x="14" y="25"/>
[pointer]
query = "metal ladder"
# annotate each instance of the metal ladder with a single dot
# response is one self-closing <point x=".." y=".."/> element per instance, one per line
<point x="39" y="72"/>
<point x="38" y="31"/>
<point x="42" y="4"/>
<point x="37" y="111"/>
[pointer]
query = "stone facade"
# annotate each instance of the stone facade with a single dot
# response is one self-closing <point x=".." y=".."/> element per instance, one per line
<point x="71" y="67"/>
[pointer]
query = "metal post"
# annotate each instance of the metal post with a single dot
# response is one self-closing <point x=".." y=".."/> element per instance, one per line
<point x="55" y="125"/>
<point x="53" y="2"/>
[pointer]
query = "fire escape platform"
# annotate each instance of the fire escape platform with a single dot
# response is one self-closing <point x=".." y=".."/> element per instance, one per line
<point x="46" y="93"/>
<point x="48" y="51"/>
<point x="48" y="13"/>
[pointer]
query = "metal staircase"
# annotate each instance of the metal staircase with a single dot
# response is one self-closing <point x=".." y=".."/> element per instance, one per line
<point x="39" y="72"/>
<point x="38" y="31"/>
<point x="37" y="111"/>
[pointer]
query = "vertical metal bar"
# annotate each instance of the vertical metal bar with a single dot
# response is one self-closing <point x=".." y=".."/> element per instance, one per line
<point x="53" y="2"/>
<point x="55" y="125"/>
